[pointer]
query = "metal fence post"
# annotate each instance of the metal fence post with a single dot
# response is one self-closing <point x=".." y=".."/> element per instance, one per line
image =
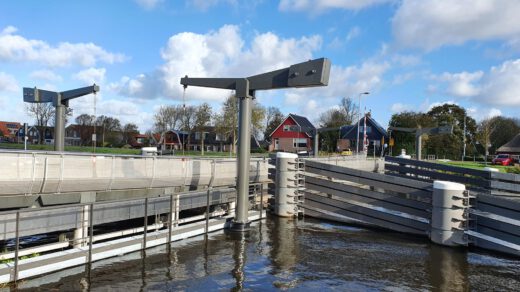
<point x="170" y="219"/>
<point x="261" y="200"/>
<point x="17" y="247"/>
<point x="91" y="232"/>
<point x="145" y="222"/>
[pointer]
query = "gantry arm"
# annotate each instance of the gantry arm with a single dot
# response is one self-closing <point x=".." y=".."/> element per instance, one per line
<point x="70" y="94"/>
<point x="35" y="95"/>
<point x="306" y="74"/>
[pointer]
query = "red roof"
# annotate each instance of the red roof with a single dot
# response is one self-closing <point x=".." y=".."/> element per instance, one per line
<point x="9" y="127"/>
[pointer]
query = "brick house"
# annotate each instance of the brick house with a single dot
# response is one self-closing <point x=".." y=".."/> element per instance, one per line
<point x="295" y="133"/>
<point x="9" y="130"/>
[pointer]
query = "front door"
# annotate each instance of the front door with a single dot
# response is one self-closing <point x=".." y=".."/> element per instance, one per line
<point x="276" y="144"/>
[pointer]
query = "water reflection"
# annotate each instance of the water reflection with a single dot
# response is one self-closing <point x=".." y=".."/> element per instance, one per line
<point x="239" y="259"/>
<point x="293" y="254"/>
<point x="448" y="268"/>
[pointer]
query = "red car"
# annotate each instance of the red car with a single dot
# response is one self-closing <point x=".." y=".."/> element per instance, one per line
<point x="503" y="159"/>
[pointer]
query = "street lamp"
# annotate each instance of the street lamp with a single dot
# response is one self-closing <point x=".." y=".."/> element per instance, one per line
<point x="359" y="114"/>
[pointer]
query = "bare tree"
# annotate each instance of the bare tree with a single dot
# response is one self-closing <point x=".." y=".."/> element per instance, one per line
<point x="168" y="118"/>
<point x="107" y="125"/>
<point x="128" y="130"/>
<point x="273" y="119"/>
<point x="188" y="119"/>
<point x="202" y="118"/>
<point x="42" y="113"/>
<point x="349" y="110"/>
<point x="85" y="125"/>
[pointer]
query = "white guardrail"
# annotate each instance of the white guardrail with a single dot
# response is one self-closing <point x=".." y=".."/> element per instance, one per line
<point x="44" y="172"/>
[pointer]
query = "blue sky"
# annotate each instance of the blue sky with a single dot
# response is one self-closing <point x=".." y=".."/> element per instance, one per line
<point x="410" y="55"/>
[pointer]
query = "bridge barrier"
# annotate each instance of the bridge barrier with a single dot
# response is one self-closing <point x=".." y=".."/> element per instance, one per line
<point x="413" y="203"/>
<point x="481" y="181"/>
<point x="25" y="175"/>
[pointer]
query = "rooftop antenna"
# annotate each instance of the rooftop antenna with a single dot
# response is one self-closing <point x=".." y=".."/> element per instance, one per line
<point x="306" y="74"/>
<point x="60" y="100"/>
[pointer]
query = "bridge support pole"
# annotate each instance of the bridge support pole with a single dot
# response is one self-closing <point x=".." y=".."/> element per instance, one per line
<point x="241" y="221"/>
<point x="449" y="213"/>
<point x="285" y="194"/>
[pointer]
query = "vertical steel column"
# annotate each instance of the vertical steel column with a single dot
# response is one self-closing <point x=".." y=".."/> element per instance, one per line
<point x="145" y="222"/>
<point x="241" y="222"/>
<point x="91" y="232"/>
<point x="59" y="127"/>
<point x="17" y="246"/>
<point x="316" y="143"/>
<point x="170" y="219"/>
<point x="418" y="144"/>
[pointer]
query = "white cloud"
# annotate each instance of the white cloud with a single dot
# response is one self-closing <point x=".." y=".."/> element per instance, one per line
<point x="8" y="82"/>
<point x="219" y="53"/>
<point x="91" y="75"/>
<point x="353" y="33"/>
<point x="16" y="48"/>
<point x="500" y="86"/>
<point x="204" y="5"/>
<point x="319" y="6"/>
<point x="400" y="107"/>
<point x="462" y="84"/>
<point x="149" y="4"/>
<point x="45" y="75"/>
<point x="429" y="24"/>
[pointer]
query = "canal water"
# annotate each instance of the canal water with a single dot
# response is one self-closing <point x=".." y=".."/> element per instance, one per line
<point x="301" y="255"/>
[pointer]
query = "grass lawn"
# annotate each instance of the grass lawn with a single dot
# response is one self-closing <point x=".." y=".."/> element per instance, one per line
<point x="477" y="165"/>
<point x="107" y="150"/>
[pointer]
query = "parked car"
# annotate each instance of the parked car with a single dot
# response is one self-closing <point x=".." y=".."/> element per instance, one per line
<point x="503" y="159"/>
<point x="346" y="152"/>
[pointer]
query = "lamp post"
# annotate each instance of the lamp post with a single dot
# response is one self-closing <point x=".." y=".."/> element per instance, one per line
<point x="359" y="114"/>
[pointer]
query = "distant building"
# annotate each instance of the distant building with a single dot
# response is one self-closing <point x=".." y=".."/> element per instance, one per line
<point x="295" y="133"/>
<point x="375" y="134"/>
<point x="512" y="147"/>
<point x="8" y="130"/>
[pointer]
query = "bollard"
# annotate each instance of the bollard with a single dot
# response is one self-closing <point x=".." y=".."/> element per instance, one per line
<point x="286" y="185"/>
<point x="449" y="213"/>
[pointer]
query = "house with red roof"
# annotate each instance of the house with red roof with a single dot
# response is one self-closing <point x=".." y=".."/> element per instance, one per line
<point x="294" y="134"/>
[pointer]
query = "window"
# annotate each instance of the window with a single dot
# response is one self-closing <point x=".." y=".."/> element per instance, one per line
<point x="219" y="137"/>
<point x="362" y="129"/>
<point x="286" y="128"/>
<point x="300" y="142"/>
<point x="197" y="136"/>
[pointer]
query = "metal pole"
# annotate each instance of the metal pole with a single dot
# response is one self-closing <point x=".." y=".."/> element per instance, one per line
<point x="418" y="144"/>
<point x="91" y="233"/>
<point x="464" y="139"/>
<point x="170" y="220"/>
<point x="241" y="222"/>
<point x="316" y="143"/>
<point x="359" y="118"/>
<point x="59" y="127"/>
<point x="145" y="222"/>
<point x="17" y="247"/>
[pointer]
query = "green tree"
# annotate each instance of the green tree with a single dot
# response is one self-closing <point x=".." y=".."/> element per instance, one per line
<point x="407" y="119"/>
<point x="273" y="118"/>
<point x="451" y="146"/>
<point x="507" y="129"/>
<point x="227" y="120"/>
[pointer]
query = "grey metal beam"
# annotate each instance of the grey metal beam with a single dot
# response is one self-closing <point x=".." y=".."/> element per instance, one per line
<point x="438" y="166"/>
<point x="391" y="183"/>
<point x="366" y="215"/>
<point x="388" y="201"/>
<point x="436" y="175"/>
<point x="306" y="74"/>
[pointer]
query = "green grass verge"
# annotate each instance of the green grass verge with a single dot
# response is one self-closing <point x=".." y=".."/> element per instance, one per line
<point x="107" y="150"/>
<point x="478" y="165"/>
